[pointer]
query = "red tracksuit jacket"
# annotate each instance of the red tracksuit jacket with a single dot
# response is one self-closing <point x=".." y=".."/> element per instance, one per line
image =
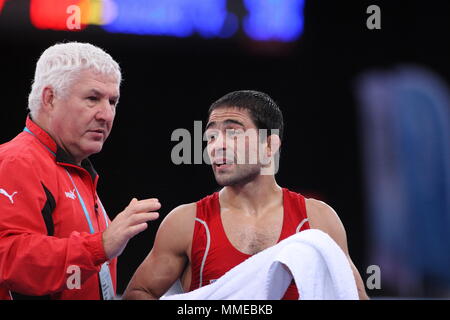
<point x="44" y="234"/>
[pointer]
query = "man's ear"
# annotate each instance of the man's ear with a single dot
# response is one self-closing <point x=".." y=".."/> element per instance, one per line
<point x="271" y="158"/>
<point x="48" y="97"/>
<point x="273" y="144"/>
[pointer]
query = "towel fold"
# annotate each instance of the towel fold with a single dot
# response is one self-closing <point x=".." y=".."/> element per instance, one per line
<point x="319" y="267"/>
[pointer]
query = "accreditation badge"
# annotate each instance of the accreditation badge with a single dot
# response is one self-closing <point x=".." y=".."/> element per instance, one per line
<point x="106" y="282"/>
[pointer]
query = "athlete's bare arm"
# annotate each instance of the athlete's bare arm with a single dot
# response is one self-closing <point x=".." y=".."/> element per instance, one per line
<point x="168" y="258"/>
<point x="321" y="216"/>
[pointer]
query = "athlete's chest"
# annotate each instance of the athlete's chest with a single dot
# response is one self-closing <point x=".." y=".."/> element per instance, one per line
<point x="250" y="234"/>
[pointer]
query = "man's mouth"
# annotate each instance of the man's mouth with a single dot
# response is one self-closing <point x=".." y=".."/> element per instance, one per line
<point x="100" y="133"/>
<point x="222" y="163"/>
<point x="98" y="130"/>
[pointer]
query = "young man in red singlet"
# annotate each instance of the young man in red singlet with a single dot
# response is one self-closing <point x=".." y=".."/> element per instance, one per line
<point x="199" y="242"/>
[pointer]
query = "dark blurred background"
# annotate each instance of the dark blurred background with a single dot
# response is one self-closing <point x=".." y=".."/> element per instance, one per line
<point x="170" y="81"/>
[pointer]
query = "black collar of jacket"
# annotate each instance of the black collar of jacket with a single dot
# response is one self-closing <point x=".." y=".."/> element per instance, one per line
<point x="63" y="157"/>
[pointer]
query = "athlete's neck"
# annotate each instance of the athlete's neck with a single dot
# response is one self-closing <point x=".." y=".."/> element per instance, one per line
<point x="253" y="196"/>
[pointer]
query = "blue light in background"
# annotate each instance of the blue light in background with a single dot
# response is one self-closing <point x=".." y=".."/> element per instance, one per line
<point x="274" y="19"/>
<point x="180" y="18"/>
<point x="279" y="20"/>
<point x="209" y="17"/>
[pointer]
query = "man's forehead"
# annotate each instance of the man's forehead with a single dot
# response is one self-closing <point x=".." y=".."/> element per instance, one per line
<point x="223" y="114"/>
<point x="103" y="84"/>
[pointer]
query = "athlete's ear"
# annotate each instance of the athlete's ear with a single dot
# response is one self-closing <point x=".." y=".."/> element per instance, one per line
<point x="273" y="144"/>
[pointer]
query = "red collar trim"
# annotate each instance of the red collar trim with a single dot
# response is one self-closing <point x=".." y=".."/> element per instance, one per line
<point x="43" y="136"/>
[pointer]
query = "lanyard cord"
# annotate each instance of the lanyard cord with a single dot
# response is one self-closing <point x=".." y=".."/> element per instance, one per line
<point x="80" y="199"/>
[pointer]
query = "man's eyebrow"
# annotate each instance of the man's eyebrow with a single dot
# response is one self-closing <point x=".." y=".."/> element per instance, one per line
<point x="232" y="121"/>
<point x="226" y="122"/>
<point x="210" y="124"/>
<point x="98" y="93"/>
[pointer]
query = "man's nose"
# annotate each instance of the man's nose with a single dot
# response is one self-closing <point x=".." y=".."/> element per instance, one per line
<point x="219" y="145"/>
<point x="106" y="111"/>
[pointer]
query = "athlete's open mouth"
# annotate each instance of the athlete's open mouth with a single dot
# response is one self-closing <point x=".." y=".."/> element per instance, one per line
<point x="222" y="163"/>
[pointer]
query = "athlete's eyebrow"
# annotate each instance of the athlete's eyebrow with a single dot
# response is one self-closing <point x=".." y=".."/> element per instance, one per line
<point x="210" y="124"/>
<point x="226" y="122"/>
<point x="232" y="121"/>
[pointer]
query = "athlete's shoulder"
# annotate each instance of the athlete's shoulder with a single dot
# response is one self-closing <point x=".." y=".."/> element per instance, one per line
<point x="322" y="216"/>
<point x="319" y="206"/>
<point x="182" y="218"/>
<point x="181" y="214"/>
<point x="183" y="211"/>
<point x="320" y="212"/>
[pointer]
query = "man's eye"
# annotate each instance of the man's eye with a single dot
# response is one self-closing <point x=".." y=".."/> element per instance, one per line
<point x="92" y="98"/>
<point x="210" y="136"/>
<point x="233" y="132"/>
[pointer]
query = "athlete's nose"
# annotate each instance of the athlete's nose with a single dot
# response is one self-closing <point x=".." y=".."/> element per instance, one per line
<point x="218" y="146"/>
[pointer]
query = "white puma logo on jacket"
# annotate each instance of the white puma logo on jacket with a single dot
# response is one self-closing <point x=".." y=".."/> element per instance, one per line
<point x="10" y="197"/>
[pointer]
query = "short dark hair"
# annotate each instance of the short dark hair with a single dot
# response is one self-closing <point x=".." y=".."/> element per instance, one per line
<point x="264" y="112"/>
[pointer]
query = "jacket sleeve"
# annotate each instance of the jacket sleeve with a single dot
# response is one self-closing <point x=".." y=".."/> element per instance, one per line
<point x="31" y="261"/>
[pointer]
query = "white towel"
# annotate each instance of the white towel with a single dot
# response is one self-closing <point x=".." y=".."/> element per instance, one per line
<point x="319" y="267"/>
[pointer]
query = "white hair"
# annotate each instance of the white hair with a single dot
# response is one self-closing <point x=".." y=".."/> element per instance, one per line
<point x="59" y="65"/>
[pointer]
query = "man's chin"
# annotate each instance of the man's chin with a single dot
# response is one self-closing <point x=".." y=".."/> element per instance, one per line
<point x="93" y="148"/>
<point x="232" y="181"/>
<point x="223" y="181"/>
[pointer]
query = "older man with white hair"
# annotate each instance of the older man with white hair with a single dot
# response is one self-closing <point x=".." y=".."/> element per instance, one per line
<point x="56" y="241"/>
